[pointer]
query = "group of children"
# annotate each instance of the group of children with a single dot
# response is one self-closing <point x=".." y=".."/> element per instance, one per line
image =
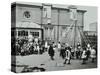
<point x="67" y="53"/>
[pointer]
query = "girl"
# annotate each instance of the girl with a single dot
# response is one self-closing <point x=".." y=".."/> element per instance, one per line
<point x="84" y="56"/>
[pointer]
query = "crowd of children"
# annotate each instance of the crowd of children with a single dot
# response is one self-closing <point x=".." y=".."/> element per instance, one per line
<point x="35" y="46"/>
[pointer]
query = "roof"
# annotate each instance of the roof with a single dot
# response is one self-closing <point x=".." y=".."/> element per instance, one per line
<point x="27" y="25"/>
<point x="57" y="6"/>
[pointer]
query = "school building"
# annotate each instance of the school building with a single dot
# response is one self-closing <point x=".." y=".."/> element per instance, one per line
<point x="45" y="21"/>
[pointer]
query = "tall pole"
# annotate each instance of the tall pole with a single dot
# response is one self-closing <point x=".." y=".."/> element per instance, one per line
<point x="58" y="27"/>
<point x="75" y="33"/>
<point x="73" y="17"/>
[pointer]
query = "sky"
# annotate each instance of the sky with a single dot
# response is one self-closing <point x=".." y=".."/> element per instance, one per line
<point x="90" y="16"/>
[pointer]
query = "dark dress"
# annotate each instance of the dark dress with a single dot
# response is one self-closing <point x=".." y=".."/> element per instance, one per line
<point x="51" y="51"/>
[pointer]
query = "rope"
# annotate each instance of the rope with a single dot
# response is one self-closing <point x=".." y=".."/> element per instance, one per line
<point x="86" y="38"/>
<point x="70" y="28"/>
<point x="82" y="35"/>
<point x="69" y="38"/>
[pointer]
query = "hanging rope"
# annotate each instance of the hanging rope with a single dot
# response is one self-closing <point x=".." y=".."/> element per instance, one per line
<point x="82" y="36"/>
<point x="89" y="41"/>
<point x="69" y="36"/>
<point x="70" y="29"/>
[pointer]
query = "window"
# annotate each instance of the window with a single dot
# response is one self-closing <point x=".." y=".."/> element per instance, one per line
<point x="46" y="28"/>
<point x="23" y="33"/>
<point x="35" y="34"/>
<point x="27" y="14"/>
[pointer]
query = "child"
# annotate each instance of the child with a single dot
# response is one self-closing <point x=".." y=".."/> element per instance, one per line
<point x="68" y="55"/>
<point x="84" y="56"/>
<point x="51" y="52"/>
<point x="93" y="54"/>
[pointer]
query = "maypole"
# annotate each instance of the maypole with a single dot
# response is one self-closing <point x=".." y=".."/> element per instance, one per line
<point x="75" y="33"/>
<point x="73" y="17"/>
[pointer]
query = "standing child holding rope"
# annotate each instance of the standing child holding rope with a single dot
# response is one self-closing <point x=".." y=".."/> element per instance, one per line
<point x="68" y="55"/>
<point x="84" y="56"/>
